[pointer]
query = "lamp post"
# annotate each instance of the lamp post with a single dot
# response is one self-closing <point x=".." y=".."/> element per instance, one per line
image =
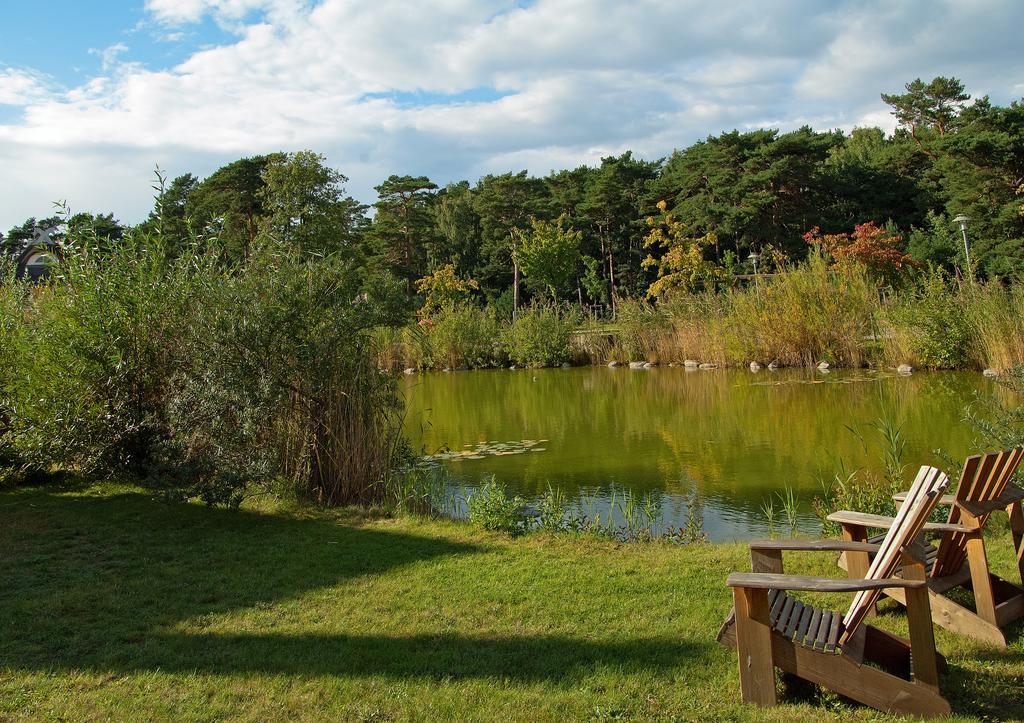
<point x="962" y="222"/>
<point x="754" y="256"/>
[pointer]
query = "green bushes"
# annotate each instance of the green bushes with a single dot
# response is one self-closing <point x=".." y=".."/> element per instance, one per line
<point x="491" y="508"/>
<point x="541" y="336"/>
<point x="199" y="378"/>
<point x="96" y="355"/>
<point x="930" y="327"/>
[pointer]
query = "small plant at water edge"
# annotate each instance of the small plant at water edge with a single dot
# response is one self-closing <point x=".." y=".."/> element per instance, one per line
<point x="491" y="508"/>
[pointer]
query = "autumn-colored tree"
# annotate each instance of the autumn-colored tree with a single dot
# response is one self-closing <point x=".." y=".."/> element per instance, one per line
<point x="443" y="288"/>
<point x="681" y="264"/>
<point x="876" y="248"/>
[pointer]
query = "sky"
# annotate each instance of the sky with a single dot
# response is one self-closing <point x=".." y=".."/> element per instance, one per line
<point x="95" y="95"/>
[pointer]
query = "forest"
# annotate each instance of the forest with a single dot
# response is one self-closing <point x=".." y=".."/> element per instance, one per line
<point x="629" y="227"/>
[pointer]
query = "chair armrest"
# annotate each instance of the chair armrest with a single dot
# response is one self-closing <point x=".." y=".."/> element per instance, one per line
<point x="944" y="500"/>
<point x="815" y="545"/>
<point x="814" y="584"/>
<point x="845" y="517"/>
<point x="1011" y="494"/>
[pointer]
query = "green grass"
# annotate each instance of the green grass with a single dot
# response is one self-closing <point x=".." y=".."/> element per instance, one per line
<point x="116" y="605"/>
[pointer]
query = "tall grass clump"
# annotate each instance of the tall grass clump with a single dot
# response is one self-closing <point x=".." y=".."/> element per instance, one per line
<point x="642" y="326"/>
<point x="996" y="315"/>
<point x="541" y="335"/>
<point x="810" y="314"/>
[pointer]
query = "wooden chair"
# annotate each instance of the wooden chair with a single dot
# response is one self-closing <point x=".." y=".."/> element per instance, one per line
<point x="770" y="629"/>
<point x="959" y="560"/>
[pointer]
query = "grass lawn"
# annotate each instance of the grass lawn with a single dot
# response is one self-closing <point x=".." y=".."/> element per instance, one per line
<point x="116" y="605"/>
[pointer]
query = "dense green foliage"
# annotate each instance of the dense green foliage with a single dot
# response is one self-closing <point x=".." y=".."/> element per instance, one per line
<point x="738" y="192"/>
<point x="168" y="358"/>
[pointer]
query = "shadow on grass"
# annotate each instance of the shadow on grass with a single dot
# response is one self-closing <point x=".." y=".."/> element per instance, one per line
<point x="100" y="582"/>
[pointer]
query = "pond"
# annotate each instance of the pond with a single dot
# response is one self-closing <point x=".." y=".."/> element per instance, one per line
<point x="713" y="444"/>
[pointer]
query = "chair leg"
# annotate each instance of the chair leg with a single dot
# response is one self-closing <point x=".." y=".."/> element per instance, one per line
<point x="1017" y="528"/>
<point x="754" y="646"/>
<point x="919" y="620"/>
<point x="981" y="579"/>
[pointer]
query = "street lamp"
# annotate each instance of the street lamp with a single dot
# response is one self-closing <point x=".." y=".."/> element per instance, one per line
<point x="962" y="222"/>
<point x="754" y="256"/>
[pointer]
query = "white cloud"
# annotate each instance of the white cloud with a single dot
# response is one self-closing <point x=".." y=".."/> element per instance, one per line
<point x="456" y="88"/>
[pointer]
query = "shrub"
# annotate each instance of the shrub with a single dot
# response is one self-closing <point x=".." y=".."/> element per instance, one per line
<point x="100" y="346"/>
<point x="541" y="336"/>
<point x="491" y="508"/>
<point x="464" y="335"/>
<point x="12" y="326"/>
<point x="288" y="389"/>
<point x="931" y="328"/>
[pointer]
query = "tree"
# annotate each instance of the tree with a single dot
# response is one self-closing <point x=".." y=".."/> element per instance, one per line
<point x="613" y="210"/>
<point x="505" y="204"/>
<point x="305" y="205"/>
<point x="549" y="253"/>
<point x="443" y="288"/>
<point x="681" y="264"/>
<point x="934" y="107"/>
<point x="458" y="227"/>
<point x="751" y="189"/>
<point x="403" y="229"/>
<point x="877" y="249"/>
<point x="230" y="202"/>
<point x="170" y="215"/>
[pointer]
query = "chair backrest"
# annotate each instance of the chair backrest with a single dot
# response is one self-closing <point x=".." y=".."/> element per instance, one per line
<point x="984" y="479"/>
<point x="924" y="494"/>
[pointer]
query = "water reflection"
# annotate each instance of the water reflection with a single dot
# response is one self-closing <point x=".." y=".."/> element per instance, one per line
<point x="721" y="439"/>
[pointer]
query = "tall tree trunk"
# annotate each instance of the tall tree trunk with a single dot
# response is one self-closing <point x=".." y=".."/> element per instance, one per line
<point x="515" y="290"/>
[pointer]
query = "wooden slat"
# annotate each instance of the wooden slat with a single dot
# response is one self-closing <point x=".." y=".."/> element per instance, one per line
<point x="883" y="522"/>
<point x="812" y="628"/>
<point x="945" y="500"/>
<point x="805" y="622"/>
<point x="833" y="634"/>
<point x="814" y="545"/>
<point x="764" y="580"/>
<point x="787" y="608"/>
<point x="794" y="620"/>
<point x="754" y="645"/>
<point x="985" y="478"/>
<point x="821" y="636"/>
<point x="909" y="522"/>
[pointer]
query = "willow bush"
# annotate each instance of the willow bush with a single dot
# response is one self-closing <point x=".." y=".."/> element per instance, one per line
<point x="200" y="378"/>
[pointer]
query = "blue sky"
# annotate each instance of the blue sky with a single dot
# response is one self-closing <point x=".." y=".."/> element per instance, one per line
<point x="93" y="95"/>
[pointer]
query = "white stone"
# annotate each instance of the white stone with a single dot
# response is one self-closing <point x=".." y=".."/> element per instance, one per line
<point x="636" y="365"/>
<point x="707" y="365"/>
<point x="410" y="370"/>
<point x="691" y="364"/>
<point x="754" y="366"/>
<point x="614" y="363"/>
<point x="990" y="373"/>
<point x="905" y="369"/>
<point x="823" y="365"/>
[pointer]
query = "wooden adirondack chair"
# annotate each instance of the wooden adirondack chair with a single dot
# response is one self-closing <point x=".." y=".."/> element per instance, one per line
<point x="959" y="560"/>
<point x="770" y="629"/>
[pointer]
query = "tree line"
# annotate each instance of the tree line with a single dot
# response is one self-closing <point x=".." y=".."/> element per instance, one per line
<point x="593" y="234"/>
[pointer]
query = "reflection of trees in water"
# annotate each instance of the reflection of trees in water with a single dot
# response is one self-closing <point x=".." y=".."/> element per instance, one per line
<point x="726" y="430"/>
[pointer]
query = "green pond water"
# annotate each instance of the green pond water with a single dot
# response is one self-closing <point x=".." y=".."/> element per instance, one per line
<point x="719" y="441"/>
